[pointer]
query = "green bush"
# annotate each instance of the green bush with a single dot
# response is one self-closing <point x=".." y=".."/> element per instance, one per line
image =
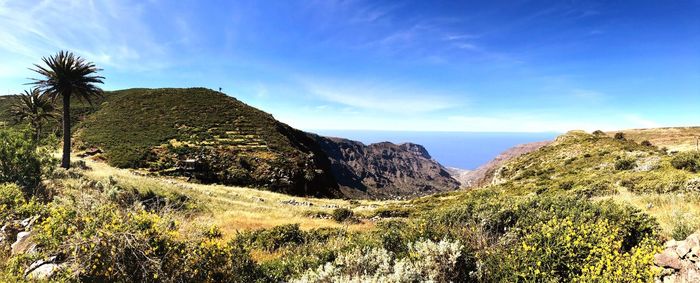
<point x="689" y="161"/>
<point x="392" y="212"/>
<point x="107" y="243"/>
<point x="342" y="214"/>
<point x="625" y="163"/>
<point x="620" y="136"/>
<point x="275" y="238"/>
<point x="566" y="250"/>
<point x="14" y="206"/>
<point x="20" y="160"/>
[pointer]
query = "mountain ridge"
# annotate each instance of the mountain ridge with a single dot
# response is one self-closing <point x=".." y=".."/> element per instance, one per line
<point x="214" y="138"/>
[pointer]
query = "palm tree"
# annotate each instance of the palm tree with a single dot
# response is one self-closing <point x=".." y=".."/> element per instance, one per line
<point x="67" y="75"/>
<point x="34" y="108"/>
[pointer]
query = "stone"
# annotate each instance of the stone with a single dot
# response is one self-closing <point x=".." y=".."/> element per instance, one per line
<point x="691" y="275"/>
<point x="682" y="248"/>
<point x="39" y="263"/>
<point x="22" y="244"/>
<point x="671" y="243"/>
<point x="43" y="272"/>
<point x="668" y="258"/>
<point x="28" y="222"/>
<point x="673" y="278"/>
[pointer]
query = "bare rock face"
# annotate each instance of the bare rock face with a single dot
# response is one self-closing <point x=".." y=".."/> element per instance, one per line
<point x="385" y="170"/>
<point x="680" y="260"/>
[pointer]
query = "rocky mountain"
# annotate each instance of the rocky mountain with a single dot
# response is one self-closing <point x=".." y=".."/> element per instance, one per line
<point x="484" y="174"/>
<point x="385" y="170"/>
<point x="461" y="175"/>
<point x="207" y="136"/>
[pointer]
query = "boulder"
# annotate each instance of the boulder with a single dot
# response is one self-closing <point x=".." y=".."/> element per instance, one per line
<point x="44" y="271"/>
<point x="668" y="259"/>
<point x="682" y="249"/>
<point x="680" y="261"/>
<point x="23" y="243"/>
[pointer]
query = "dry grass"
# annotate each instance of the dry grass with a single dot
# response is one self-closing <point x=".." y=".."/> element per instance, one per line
<point x="669" y="209"/>
<point x="235" y="209"/>
<point x="675" y="139"/>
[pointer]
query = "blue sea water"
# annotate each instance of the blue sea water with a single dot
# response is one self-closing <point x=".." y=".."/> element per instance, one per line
<point x="466" y="150"/>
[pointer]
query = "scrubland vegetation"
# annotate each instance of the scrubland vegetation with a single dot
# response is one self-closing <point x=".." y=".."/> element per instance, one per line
<point x="564" y="213"/>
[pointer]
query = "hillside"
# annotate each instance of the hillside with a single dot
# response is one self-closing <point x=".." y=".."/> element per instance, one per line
<point x="568" y="208"/>
<point x="226" y="140"/>
<point x="672" y="138"/>
<point x="213" y="138"/>
<point x="385" y="169"/>
<point x="483" y="175"/>
<point x="5" y="103"/>
<point x="664" y="185"/>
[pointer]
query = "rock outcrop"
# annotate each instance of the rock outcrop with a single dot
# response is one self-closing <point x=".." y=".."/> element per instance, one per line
<point x="385" y="170"/>
<point x="680" y="261"/>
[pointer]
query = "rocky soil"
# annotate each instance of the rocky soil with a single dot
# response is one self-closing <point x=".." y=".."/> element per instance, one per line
<point x="680" y="261"/>
<point x="20" y="234"/>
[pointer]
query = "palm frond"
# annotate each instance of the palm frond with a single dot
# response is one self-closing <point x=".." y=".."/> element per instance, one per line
<point x="67" y="74"/>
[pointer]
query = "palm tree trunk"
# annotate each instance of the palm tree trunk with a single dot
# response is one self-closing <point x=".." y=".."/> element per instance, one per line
<point x="37" y="133"/>
<point x="65" y="162"/>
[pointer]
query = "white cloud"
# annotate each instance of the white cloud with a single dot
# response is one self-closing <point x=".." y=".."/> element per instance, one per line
<point x="110" y="33"/>
<point x="390" y="98"/>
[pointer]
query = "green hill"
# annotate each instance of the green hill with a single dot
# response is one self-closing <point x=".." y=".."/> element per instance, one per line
<point x="225" y="140"/>
<point x="595" y="165"/>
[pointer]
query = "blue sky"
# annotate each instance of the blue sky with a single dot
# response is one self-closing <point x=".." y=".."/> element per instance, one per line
<point x="522" y="66"/>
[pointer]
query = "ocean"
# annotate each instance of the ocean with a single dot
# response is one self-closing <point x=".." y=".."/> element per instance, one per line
<point x="465" y="150"/>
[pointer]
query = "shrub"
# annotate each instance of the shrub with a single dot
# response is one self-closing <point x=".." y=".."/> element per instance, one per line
<point x="392" y="212"/>
<point x="689" y="161"/>
<point x="107" y="243"/>
<point x="10" y="197"/>
<point x="13" y="205"/>
<point x="625" y="163"/>
<point x="20" y="160"/>
<point x="598" y="133"/>
<point x="428" y="262"/>
<point x="342" y="214"/>
<point x="646" y="143"/>
<point x="620" y="136"/>
<point x="276" y="237"/>
<point x="682" y="230"/>
<point x="567" y="249"/>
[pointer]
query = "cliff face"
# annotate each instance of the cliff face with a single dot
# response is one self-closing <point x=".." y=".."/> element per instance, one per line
<point x="384" y="170"/>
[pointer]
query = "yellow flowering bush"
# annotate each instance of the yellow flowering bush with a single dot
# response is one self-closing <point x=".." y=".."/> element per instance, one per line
<point x="563" y="250"/>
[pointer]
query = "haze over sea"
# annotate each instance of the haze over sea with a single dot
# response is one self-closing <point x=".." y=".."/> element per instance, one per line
<point x="466" y="150"/>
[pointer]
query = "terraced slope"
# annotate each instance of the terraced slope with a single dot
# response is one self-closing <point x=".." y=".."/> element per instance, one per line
<point x="213" y="138"/>
<point x="208" y="136"/>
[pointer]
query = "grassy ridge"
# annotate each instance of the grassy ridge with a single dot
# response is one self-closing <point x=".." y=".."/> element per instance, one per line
<point x="232" y="143"/>
<point x="675" y="139"/>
